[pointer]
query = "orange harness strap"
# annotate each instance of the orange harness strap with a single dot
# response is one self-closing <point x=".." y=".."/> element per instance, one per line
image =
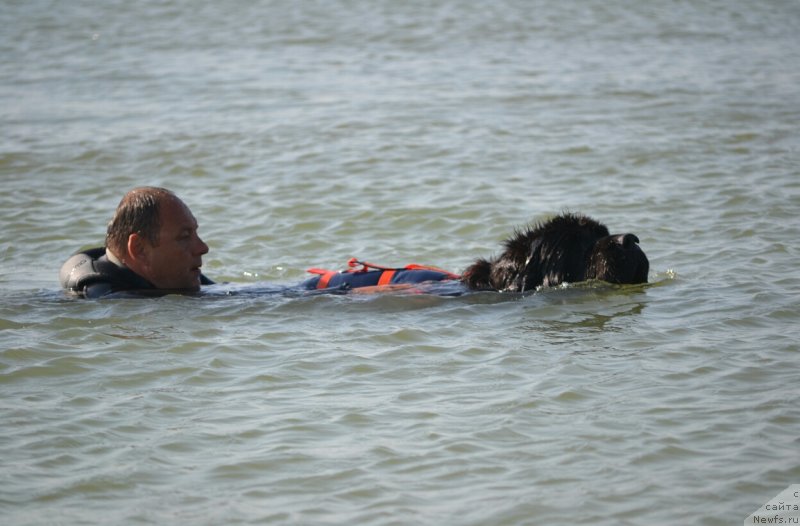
<point x="386" y="277"/>
<point x="324" y="276"/>
<point x="414" y="266"/>
<point x="353" y="262"/>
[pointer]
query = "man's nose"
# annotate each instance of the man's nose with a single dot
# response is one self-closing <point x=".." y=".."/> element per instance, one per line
<point x="201" y="246"/>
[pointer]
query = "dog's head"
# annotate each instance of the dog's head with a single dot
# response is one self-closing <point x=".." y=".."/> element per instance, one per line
<point x="573" y="248"/>
<point x="618" y="259"/>
<point x="568" y="248"/>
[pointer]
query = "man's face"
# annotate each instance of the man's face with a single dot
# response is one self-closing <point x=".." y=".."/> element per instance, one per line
<point x="174" y="263"/>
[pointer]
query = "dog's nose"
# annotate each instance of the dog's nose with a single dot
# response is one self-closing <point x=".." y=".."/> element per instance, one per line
<point x="626" y="241"/>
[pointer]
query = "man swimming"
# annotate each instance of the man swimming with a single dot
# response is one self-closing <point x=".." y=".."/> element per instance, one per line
<point x="152" y="247"/>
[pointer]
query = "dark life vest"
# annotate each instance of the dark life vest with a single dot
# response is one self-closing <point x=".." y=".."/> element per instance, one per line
<point x="370" y="275"/>
<point x="90" y="274"/>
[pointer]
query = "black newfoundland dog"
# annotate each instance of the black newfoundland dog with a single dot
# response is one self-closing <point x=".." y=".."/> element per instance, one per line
<point x="566" y="249"/>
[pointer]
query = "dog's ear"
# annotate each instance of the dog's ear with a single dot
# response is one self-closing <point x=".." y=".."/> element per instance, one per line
<point x="531" y="275"/>
<point x="505" y="275"/>
<point x="518" y="274"/>
<point x="478" y="275"/>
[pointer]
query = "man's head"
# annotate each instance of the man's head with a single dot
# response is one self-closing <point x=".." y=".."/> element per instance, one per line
<point x="155" y="235"/>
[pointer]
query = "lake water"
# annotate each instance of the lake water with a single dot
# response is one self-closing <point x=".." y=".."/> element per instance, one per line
<point x="303" y="133"/>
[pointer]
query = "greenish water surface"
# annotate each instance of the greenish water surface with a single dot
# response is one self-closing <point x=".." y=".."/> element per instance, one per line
<point x="304" y="133"/>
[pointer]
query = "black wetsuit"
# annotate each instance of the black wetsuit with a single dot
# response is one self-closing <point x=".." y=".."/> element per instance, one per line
<point x="91" y="274"/>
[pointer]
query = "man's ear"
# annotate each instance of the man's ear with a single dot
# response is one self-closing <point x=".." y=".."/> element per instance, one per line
<point x="137" y="248"/>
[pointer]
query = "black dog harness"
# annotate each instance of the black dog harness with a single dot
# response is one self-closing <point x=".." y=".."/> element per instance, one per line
<point x="370" y="275"/>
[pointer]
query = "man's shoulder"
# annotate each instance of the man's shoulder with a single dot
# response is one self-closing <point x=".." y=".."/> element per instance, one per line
<point x="89" y="273"/>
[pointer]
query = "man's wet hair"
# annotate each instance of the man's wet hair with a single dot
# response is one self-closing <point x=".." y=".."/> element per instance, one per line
<point x="138" y="212"/>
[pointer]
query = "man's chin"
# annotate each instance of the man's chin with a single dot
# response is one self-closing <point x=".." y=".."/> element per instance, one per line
<point x="195" y="280"/>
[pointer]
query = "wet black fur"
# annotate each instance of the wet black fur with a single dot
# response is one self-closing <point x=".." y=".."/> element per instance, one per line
<point x="568" y="248"/>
